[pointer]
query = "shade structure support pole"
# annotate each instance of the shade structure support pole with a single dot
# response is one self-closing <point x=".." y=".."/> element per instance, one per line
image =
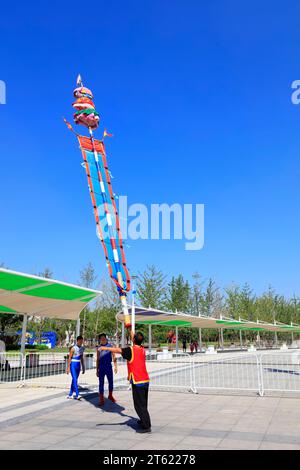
<point x="200" y="339"/>
<point x="117" y="334"/>
<point x="258" y="338"/>
<point x="150" y="339"/>
<point x="123" y="335"/>
<point x="176" y="333"/>
<point x="222" y="338"/>
<point x="258" y="335"/>
<point x="241" y="336"/>
<point x="133" y="278"/>
<point x="78" y="327"/>
<point x="23" y="337"/>
<point x="221" y="334"/>
<point x="133" y="313"/>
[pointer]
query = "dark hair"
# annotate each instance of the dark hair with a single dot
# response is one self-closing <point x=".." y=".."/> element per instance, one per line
<point x="138" y="338"/>
<point x="79" y="337"/>
<point x="102" y="335"/>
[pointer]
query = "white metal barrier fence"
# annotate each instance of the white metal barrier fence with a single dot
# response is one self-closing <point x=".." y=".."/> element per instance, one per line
<point x="280" y="372"/>
<point x="49" y="370"/>
<point x="11" y="369"/>
<point x="247" y="372"/>
<point x="174" y="373"/>
<point x="238" y="373"/>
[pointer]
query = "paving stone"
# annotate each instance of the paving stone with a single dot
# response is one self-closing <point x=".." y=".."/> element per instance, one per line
<point x="214" y="433"/>
<point x="245" y="436"/>
<point x="199" y="440"/>
<point x="129" y="434"/>
<point x="6" y="445"/>
<point x="47" y="438"/>
<point x="153" y="445"/>
<point x="278" y="446"/>
<point x="179" y="421"/>
<point x="115" y="444"/>
<point x="28" y="445"/>
<point x="64" y="431"/>
<point x="15" y="437"/>
<point x="282" y="439"/>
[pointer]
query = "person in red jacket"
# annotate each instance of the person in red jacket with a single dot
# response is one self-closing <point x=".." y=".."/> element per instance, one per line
<point x="138" y="377"/>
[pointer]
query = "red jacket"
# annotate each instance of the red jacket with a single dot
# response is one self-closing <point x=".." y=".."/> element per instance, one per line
<point x="137" y="371"/>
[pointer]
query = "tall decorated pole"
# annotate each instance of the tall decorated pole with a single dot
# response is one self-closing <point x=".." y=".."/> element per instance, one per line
<point x="102" y="196"/>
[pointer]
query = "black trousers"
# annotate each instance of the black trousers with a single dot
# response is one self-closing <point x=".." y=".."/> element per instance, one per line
<point x="140" y="401"/>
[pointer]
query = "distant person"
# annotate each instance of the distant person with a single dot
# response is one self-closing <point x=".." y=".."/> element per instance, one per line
<point x="75" y="363"/>
<point x="196" y="346"/>
<point x="170" y="340"/>
<point x="138" y="377"/>
<point x="2" y="354"/>
<point x="184" y="345"/>
<point x="192" y="347"/>
<point x="104" y="368"/>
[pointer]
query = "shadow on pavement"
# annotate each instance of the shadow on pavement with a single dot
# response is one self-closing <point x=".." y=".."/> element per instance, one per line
<point x="114" y="408"/>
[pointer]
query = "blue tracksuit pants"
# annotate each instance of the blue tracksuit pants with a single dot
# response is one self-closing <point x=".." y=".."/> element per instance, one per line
<point x="75" y="371"/>
<point x="105" y="370"/>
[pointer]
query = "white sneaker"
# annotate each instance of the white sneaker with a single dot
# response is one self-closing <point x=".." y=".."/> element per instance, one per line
<point x="77" y="398"/>
<point x="69" y="397"/>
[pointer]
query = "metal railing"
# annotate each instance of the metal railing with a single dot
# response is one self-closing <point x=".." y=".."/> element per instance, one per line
<point x="238" y="373"/>
<point x="262" y="373"/>
<point x="280" y="372"/>
<point x="49" y="370"/>
<point x="11" y="369"/>
<point x="174" y="373"/>
<point x="46" y="369"/>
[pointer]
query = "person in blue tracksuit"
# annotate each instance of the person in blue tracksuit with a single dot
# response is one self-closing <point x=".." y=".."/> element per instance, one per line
<point x="75" y="363"/>
<point x="104" y="368"/>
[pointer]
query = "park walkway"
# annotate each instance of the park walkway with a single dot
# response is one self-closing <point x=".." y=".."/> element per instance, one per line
<point x="39" y="418"/>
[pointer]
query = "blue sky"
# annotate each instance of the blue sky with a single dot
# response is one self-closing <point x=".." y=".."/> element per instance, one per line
<point x="198" y="97"/>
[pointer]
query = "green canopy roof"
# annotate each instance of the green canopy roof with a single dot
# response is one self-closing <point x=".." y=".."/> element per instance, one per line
<point x="150" y="316"/>
<point x="23" y="293"/>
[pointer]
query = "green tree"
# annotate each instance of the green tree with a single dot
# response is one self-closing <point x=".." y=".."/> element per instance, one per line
<point x="87" y="279"/>
<point x="106" y="320"/>
<point x="178" y="295"/>
<point x="151" y="292"/>
<point x="212" y="300"/>
<point x="232" y="301"/>
<point x="197" y="296"/>
<point x="47" y="273"/>
<point x="151" y="288"/>
<point x="294" y="310"/>
<point x="247" y="303"/>
<point x="103" y="313"/>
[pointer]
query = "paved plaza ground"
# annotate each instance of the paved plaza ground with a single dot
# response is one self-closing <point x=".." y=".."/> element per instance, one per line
<point x="40" y="418"/>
